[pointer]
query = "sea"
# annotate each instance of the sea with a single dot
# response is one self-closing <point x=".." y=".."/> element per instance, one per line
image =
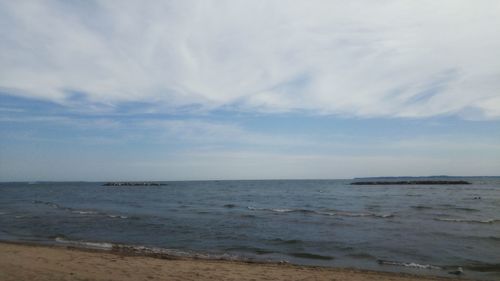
<point x="443" y="230"/>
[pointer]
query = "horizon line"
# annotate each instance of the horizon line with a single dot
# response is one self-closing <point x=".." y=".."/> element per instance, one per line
<point x="264" y="179"/>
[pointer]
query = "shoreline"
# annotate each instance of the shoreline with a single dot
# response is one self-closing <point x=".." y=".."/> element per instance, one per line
<point x="31" y="261"/>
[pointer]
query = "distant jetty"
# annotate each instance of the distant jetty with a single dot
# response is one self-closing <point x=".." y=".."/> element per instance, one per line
<point x="133" y="184"/>
<point x="423" y="182"/>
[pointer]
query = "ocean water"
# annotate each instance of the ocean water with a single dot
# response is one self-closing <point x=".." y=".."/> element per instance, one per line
<point x="423" y="229"/>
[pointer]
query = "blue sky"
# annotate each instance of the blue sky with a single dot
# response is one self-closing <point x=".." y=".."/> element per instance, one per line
<point x="180" y="90"/>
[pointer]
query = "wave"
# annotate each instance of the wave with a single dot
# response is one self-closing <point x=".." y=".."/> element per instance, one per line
<point x="248" y="216"/>
<point x="85" y="212"/>
<point x="85" y="244"/>
<point x="462" y="237"/>
<point x="324" y="213"/>
<point x="483" y="267"/>
<point x="455" y="207"/>
<point x="156" y="252"/>
<point x="117" y="216"/>
<point x="414" y="195"/>
<point x="51" y="204"/>
<point x="361" y="255"/>
<point x="409" y="264"/>
<point x="478" y="266"/>
<point x="311" y="256"/>
<point x="490" y="221"/>
<point x="277" y="210"/>
<point x="22" y="216"/>
<point x="258" y="251"/>
<point x="165" y="253"/>
<point x="351" y="214"/>
<point x="422" y="207"/>
<point x="287" y="241"/>
<point x="444" y="207"/>
<point x="77" y="211"/>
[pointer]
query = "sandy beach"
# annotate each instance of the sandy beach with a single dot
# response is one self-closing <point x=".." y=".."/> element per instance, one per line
<point x="31" y="262"/>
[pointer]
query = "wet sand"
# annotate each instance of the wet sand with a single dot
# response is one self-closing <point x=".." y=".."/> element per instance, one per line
<point x="44" y="263"/>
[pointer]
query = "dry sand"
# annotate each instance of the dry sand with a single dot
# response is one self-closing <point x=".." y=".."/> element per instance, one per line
<point x="28" y="262"/>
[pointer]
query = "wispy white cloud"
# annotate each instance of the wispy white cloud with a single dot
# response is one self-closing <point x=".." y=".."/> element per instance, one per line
<point x="354" y="58"/>
<point x="202" y="136"/>
<point x="63" y="148"/>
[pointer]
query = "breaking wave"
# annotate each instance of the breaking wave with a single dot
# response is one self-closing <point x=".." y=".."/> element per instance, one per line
<point x="409" y="264"/>
<point x="311" y="256"/>
<point x="287" y="241"/>
<point x="444" y="207"/>
<point x="156" y="252"/>
<point x="490" y="221"/>
<point x="80" y="212"/>
<point x="85" y="244"/>
<point x="324" y="213"/>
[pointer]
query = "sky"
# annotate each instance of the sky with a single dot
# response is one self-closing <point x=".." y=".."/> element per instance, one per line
<point x="202" y="90"/>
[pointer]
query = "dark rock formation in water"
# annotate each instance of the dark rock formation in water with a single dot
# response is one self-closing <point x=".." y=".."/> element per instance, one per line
<point x="133" y="184"/>
<point x="410" y="182"/>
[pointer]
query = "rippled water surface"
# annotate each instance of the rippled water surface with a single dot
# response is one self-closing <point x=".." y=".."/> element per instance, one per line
<point x="426" y="229"/>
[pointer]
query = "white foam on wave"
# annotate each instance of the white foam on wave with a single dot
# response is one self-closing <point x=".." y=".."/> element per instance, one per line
<point x="85" y="244"/>
<point x="282" y="210"/>
<point x="118" y="216"/>
<point x="489" y="221"/>
<point x="351" y="214"/>
<point x="143" y="250"/>
<point x="333" y="213"/>
<point x="410" y="264"/>
<point x="76" y="211"/>
<point x="127" y="248"/>
<point x="85" y="212"/>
